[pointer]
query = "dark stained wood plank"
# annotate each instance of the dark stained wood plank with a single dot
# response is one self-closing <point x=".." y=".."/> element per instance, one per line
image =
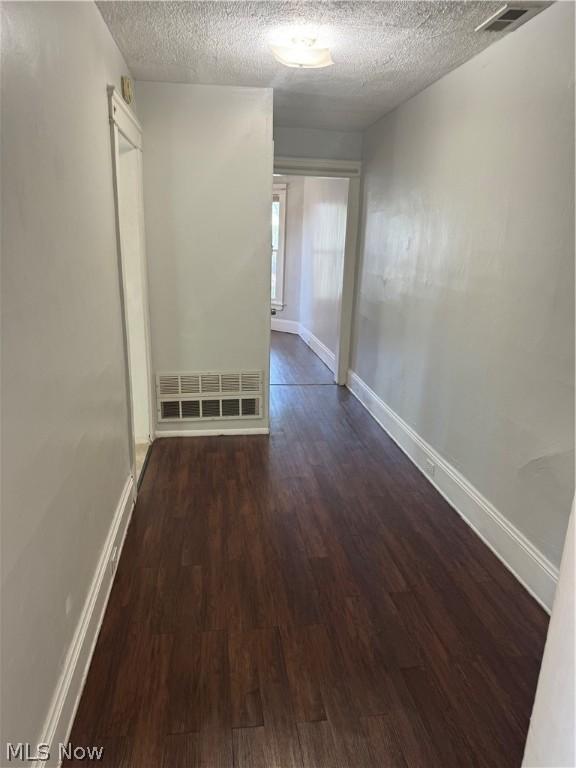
<point x="151" y="702"/>
<point x="281" y="736"/>
<point x="406" y="722"/>
<point x="244" y="680"/>
<point x="383" y="741"/>
<point x="307" y="600"/>
<point x="293" y="362"/>
<point x="251" y="748"/>
<point x="449" y="742"/>
<point x="302" y="673"/>
<point x="215" y="706"/>
<point x="341" y="706"/>
<point x="311" y="528"/>
<point x="181" y="751"/>
<point x="319" y="750"/>
<point x="300" y="591"/>
<point x="184" y="706"/>
<point x="415" y="620"/>
<point x="126" y="690"/>
<point x="485" y="715"/>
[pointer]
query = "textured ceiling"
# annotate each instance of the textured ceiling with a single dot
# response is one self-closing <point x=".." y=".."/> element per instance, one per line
<point x="384" y="52"/>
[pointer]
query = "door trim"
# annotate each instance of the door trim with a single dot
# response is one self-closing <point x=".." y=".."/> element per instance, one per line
<point x="304" y="166"/>
<point x="124" y="123"/>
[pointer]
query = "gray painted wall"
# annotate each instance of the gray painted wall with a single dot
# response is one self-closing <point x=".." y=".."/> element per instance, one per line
<point x="464" y="316"/>
<point x="207" y="194"/>
<point x="317" y="143"/>
<point x="64" y="412"/>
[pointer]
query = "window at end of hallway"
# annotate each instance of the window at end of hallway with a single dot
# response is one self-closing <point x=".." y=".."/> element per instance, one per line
<point x="278" y="237"/>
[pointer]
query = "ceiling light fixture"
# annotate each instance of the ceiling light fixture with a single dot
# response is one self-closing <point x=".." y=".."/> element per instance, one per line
<point x="302" y="52"/>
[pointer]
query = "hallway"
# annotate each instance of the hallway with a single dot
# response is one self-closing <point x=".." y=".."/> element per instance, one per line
<point x="307" y="600"/>
<point x="225" y="559"/>
<point x="293" y="362"/>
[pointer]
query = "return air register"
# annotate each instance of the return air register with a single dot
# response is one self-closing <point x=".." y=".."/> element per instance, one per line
<point x="510" y="16"/>
<point x="209" y="396"/>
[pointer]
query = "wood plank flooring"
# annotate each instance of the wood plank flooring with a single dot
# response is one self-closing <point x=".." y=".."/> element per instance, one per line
<point x="307" y="600"/>
<point x="293" y="362"/>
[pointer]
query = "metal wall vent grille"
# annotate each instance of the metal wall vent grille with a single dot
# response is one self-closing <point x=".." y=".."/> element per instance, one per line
<point x="249" y="406"/>
<point x="170" y="409"/>
<point x="510" y="17"/>
<point x="190" y="409"/>
<point x="192" y="396"/>
<point x="169" y="385"/>
<point x="231" y="407"/>
<point x="189" y="385"/>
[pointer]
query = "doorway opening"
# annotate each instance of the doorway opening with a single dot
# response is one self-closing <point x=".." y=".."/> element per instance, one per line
<point x="314" y="227"/>
<point x="127" y="162"/>
<point x="308" y="245"/>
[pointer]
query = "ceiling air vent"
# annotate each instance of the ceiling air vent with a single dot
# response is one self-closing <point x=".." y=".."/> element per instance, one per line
<point x="209" y="396"/>
<point x="510" y="16"/>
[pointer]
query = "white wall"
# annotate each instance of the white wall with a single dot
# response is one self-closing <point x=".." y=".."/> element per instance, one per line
<point x="317" y="143"/>
<point x="323" y="241"/>
<point x="129" y="199"/>
<point x="64" y="412"/>
<point x="208" y="191"/>
<point x="464" y="316"/>
<point x="551" y="739"/>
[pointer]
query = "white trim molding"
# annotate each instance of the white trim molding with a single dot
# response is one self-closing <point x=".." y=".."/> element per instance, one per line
<point x="285" y="326"/>
<point x="326" y="355"/>
<point x="123" y="122"/>
<point x="212" y="432"/>
<point x="304" y="166"/>
<point x="121" y="114"/>
<point x="279" y="195"/>
<point x="349" y="269"/>
<point x="532" y="569"/>
<point x="69" y="689"/>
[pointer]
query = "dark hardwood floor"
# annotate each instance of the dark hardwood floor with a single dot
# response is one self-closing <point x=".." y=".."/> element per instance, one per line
<point x="293" y="362"/>
<point x="307" y="600"/>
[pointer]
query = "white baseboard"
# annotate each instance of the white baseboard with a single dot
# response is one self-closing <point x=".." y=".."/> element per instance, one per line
<point x="327" y="356"/>
<point x="532" y="569"/>
<point x="212" y="432"/>
<point x="285" y="326"/>
<point x="69" y="689"/>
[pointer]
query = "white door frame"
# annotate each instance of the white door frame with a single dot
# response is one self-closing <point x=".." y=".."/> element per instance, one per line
<point x="123" y="123"/>
<point x="279" y="191"/>
<point x="351" y="170"/>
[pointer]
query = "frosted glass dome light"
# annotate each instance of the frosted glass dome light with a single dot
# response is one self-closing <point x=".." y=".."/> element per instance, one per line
<point x="303" y="52"/>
